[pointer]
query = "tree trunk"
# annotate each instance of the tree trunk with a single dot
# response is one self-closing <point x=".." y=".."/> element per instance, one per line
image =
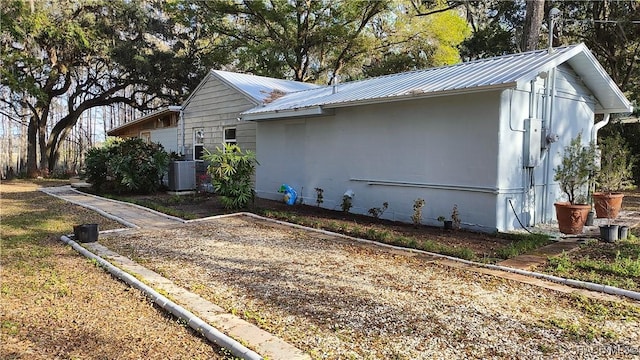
<point x="532" y="24"/>
<point x="59" y="132"/>
<point x="42" y="143"/>
<point x="32" y="148"/>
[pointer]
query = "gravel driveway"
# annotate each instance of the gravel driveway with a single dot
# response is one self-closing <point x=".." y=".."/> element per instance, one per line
<point x="340" y="299"/>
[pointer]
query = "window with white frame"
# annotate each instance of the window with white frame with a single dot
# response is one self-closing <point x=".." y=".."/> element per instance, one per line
<point x="229" y="135"/>
<point x="198" y="143"/>
<point x="146" y="137"/>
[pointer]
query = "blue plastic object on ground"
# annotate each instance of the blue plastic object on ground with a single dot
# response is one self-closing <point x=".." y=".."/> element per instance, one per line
<point x="290" y="194"/>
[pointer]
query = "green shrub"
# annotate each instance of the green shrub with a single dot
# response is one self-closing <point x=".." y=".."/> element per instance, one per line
<point x="523" y="243"/>
<point x="96" y="167"/>
<point x="126" y="166"/>
<point x="231" y="171"/>
<point x="346" y="203"/>
<point x="416" y="218"/>
<point x="376" y="212"/>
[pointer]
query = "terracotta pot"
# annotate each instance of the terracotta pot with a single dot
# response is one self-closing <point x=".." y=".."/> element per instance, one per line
<point x="607" y="205"/>
<point x="571" y="218"/>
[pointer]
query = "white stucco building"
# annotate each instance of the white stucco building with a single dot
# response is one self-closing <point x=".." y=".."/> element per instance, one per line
<point x="485" y="135"/>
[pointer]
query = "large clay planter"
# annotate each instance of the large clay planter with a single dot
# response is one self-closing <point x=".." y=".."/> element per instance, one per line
<point x="607" y="205"/>
<point x="571" y="218"/>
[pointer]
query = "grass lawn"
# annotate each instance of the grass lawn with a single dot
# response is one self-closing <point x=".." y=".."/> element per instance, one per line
<point x="57" y="304"/>
<point x="615" y="264"/>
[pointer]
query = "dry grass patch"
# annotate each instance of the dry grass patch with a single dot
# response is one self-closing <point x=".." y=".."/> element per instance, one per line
<point x="339" y="299"/>
<point x="57" y="304"/>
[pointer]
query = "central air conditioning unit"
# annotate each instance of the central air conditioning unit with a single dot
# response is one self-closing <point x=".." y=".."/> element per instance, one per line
<point x="182" y="175"/>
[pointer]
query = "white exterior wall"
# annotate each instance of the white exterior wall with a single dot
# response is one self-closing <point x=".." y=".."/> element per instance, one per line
<point x="167" y="137"/>
<point x="214" y="107"/>
<point x="533" y="192"/>
<point x="443" y="150"/>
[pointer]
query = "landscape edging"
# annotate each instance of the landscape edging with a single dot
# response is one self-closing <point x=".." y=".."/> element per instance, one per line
<point x="212" y="334"/>
<point x="612" y="290"/>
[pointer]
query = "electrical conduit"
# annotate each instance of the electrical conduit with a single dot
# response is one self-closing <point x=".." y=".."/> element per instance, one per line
<point x="197" y="324"/>
<point x="550" y="92"/>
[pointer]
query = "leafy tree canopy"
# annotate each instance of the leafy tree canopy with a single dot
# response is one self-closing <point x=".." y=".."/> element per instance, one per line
<point x="406" y="41"/>
<point x="85" y="54"/>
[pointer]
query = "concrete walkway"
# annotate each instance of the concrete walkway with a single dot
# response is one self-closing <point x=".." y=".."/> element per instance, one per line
<point x="136" y="216"/>
<point x="262" y="342"/>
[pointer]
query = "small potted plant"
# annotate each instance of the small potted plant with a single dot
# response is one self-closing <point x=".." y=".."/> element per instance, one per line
<point x="455" y="217"/>
<point x="616" y="164"/>
<point x="454" y="223"/>
<point x="572" y="174"/>
<point x="447" y="224"/>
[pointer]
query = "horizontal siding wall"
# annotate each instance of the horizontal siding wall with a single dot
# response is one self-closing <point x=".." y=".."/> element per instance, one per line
<point x="214" y="107"/>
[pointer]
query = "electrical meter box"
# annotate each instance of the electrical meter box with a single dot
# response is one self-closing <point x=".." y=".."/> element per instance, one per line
<point x="532" y="141"/>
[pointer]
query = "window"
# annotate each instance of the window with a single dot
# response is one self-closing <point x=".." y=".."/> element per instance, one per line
<point x="198" y="143"/>
<point x="229" y="136"/>
<point x="146" y="137"/>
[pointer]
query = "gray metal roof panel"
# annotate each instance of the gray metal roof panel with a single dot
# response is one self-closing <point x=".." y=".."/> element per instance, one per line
<point x="503" y="71"/>
<point x="260" y="88"/>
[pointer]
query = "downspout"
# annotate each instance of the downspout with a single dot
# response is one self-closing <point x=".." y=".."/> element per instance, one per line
<point x="599" y="125"/>
<point x="181" y="120"/>
<point x="594" y="138"/>
<point x="184" y="148"/>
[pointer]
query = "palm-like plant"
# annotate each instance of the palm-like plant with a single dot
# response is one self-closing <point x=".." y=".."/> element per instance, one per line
<point x="231" y="170"/>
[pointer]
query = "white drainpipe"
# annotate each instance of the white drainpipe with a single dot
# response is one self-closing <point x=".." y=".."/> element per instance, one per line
<point x="599" y="125"/>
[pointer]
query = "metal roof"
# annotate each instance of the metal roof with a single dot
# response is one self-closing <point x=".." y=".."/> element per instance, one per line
<point x="501" y="72"/>
<point x="154" y="115"/>
<point x="258" y="89"/>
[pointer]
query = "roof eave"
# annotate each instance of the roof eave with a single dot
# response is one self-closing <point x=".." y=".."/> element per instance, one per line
<point x="620" y="110"/>
<point x="623" y="105"/>
<point x="298" y="112"/>
<point x="323" y="109"/>
<point x="424" y="95"/>
<point x="168" y="110"/>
